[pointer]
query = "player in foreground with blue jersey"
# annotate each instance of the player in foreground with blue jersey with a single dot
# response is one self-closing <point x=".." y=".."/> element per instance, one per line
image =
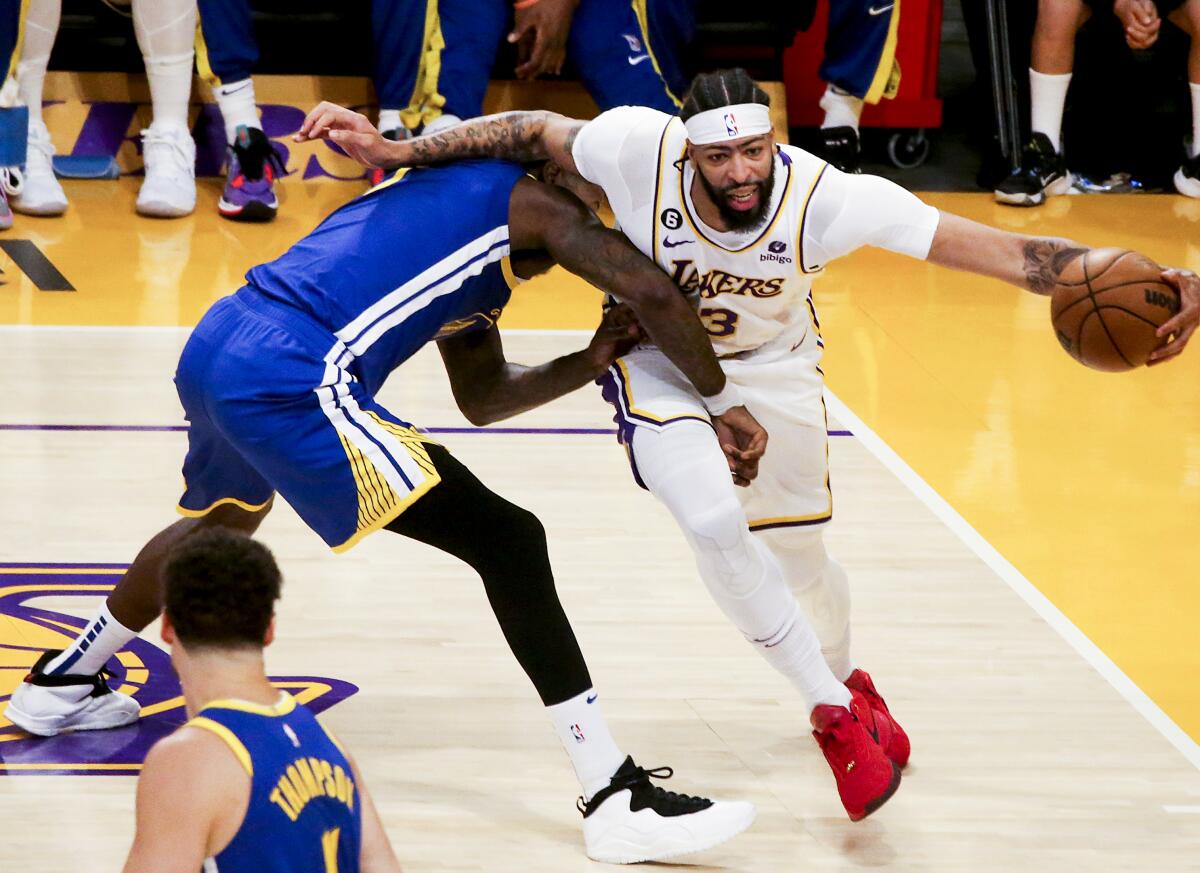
<point x="252" y="783"/>
<point x="278" y="382"/>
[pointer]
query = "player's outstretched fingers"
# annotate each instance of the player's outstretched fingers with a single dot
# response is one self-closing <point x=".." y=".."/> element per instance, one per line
<point x="1172" y="348"/>
<point x="314" y="121"/>
<point x="329" y="116"/>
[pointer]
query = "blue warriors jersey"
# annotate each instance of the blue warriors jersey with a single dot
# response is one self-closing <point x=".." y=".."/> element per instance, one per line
<point x="418" y="258"/>
<point x="304" y="812"/>
<point x="278" y="381"/>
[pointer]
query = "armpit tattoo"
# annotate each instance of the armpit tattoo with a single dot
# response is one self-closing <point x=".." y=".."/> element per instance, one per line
<point x="1045" y="260"/>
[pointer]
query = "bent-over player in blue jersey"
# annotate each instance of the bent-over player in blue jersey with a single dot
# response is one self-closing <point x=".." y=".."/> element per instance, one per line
<point x="279" y="380"/>
<point x="252" y="783"/>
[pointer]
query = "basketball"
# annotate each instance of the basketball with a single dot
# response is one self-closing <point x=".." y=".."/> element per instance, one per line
<point x="1107" y="305"/>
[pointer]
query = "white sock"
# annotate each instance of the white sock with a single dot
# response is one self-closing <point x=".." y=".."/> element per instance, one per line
<point x="238" y="107"/>
<point x="841" y="109"/>
<point x="1195" y="88"/>
<point x="1047" y="97"/>
<point x="166" y="30"/>
<point x="582" y="730"/>
<point x="389" y="119"/>
<point x="684" y="468"/>
<point x="99" y="641"/>
<point x="41" y="27"/>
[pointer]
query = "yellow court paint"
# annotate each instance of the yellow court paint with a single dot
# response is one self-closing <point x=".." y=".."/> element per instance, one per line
<point x="1089" y="483"/>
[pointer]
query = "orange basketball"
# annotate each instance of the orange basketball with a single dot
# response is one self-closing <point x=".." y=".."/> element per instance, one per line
<point x="1107" y="305"/>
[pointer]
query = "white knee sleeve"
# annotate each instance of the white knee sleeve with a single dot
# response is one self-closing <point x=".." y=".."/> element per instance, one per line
<point x="684" y="467"/>
<point x="821" y="587"/>
<point x="41" y="27"/>
<point x="164" y="27"/>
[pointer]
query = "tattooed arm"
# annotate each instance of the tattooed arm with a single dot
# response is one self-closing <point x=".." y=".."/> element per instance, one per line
<point x="1035" y="263"/>
<point x="514" y="136"/>
<point x="542" y="217"/>
<point x="1032" y="263"/>
<point x="489" y="388"/>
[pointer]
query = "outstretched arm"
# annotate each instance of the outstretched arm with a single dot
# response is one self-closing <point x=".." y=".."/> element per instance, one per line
<point x="852" y="211"/>
<point x="1032" y="263"/>
<point x="1036" y="263"/>
<point x="513" y="136"/>
<point x="488" y="388"/>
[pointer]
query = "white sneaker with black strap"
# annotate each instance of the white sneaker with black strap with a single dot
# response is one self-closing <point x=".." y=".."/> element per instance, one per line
<point x="51" y="704"/>
<point x="632" y="820"/>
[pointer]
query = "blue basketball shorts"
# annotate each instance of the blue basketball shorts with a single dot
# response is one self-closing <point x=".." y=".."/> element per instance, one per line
<point x="266" y="413"/>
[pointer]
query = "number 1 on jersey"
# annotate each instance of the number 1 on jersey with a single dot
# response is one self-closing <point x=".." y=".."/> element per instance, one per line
<point x="329" y="847"/>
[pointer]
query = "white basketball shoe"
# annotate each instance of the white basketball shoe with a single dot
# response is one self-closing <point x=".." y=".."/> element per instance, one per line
<point x="51" y="704"/>
<point x="169" y="189"/>
<point x="41" y="194"/>
<point x="632" y="820"/>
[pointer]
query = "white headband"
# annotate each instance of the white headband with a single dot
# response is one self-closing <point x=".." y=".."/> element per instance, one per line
<point x="728" y="122"/>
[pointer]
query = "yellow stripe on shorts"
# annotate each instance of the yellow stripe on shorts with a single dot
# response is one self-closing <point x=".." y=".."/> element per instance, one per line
<point x="378" y="502"/>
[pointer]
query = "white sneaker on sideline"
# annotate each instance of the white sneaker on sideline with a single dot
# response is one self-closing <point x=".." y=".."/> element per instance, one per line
<point x="41" y="194"/>
<point x="632" y="820"/>
<point x="169" y="189"/>
<point x="48" y="705"/>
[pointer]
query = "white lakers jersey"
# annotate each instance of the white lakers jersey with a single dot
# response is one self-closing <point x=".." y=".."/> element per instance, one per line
<point x="754" y="287"/>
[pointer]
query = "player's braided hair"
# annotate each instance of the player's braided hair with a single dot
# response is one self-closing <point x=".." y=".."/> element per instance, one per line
<point x="721" y="88"/>
<point x="220" y="590"/>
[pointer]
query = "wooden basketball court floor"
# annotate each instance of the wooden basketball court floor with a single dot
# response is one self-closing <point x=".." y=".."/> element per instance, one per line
<point x="1020" y="535"/>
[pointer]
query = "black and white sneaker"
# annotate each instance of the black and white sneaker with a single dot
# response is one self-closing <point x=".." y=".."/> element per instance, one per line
<point x="839" y="146"/>
<point x="1042" y="172"/>
<point x="632" y="820"/>
<point x="47" y="705"/>
<point x="1187" y="177"/>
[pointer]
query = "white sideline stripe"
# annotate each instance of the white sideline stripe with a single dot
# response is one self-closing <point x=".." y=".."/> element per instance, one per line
<point x="1025" y="589"/>
<point x="1175" y="809"/>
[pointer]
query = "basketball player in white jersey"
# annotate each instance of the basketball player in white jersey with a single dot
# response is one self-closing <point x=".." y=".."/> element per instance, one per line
<point x="746" y="225"/>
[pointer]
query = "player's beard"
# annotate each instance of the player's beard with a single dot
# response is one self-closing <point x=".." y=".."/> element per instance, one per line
<point x="742" y="219"/>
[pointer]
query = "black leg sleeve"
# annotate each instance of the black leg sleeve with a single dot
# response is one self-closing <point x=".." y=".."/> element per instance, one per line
<point x="506" y="546"/>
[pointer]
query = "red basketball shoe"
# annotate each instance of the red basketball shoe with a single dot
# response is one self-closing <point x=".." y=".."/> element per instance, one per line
<point x="865" y="776"/>
<point x="891" y="736"/>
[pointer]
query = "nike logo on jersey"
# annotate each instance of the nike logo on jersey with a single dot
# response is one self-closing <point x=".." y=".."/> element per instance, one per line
<point x="637" y="59"/>
<point x="880" y="10"/>
<point x="667" y="243"/>
<point x="592" y="698"/>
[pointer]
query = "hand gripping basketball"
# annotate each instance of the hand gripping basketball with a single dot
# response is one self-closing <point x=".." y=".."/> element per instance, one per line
<point x="1111" y="309"/>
